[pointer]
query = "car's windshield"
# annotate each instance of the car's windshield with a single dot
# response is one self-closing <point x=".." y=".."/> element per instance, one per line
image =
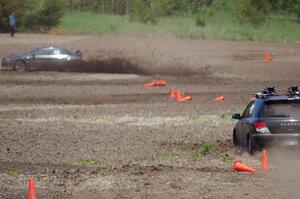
<point x="281" y="109"/>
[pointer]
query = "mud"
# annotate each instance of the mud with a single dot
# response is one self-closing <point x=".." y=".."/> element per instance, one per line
<point x="96" y="132"/>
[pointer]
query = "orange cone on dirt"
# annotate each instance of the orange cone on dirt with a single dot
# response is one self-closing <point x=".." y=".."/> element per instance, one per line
<point x="161" y="83"/>
<point x="178" y="96"/>
<point x="156" y="83"/>
<point x="172" y="92"/>
<point x="238" y="166"/>
<point x="184" y="99"/>
<point x="151" y="84"/>
<point x="220" y="98"/>
<point x="264" y="160"/>
<point x="31" y="189"/>
<point x="268" y="58"/>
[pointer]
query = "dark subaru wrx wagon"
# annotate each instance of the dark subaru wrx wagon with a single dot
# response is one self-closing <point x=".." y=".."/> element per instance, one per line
<point x="270" y="119"/>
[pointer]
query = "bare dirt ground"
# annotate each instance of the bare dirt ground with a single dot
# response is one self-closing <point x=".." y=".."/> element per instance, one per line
<point x="99" y="133"/>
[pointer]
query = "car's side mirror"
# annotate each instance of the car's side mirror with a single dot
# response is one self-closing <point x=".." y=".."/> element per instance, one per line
<point x="236" y="116"/>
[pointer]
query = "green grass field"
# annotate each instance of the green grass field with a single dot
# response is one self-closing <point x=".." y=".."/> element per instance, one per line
<point x="223" y="26"/>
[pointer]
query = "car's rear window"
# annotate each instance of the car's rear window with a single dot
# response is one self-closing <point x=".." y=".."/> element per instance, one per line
<point x="281" y="109"/>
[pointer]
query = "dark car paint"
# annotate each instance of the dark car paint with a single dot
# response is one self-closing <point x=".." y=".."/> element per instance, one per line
<point x="278" y="131"/>
<point x="34" y="60"/>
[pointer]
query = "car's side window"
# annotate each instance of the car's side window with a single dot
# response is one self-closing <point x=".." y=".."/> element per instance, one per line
<point x="43" y="52"/>
<point x="249" y="110"/>
<point x="54" y="52"/>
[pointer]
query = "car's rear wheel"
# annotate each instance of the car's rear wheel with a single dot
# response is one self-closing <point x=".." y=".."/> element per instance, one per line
<point x="20" y="66"/>
<point x="235" y="140"/>
<point x="250" y="145"/>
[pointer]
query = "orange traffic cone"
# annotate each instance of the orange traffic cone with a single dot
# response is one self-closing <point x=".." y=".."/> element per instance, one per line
<point x="184" y="99"/>
<point x="220" y="98"/>
<point x="31" y="189"/>
<point x="151" y="84"/>
<point x="264" y="160"/>
<point x="178" y="96"/>
<point x="161" y="83"/>
<point x="172" y="92"/>
<point x="239" y="167"/>
<point x="268" y="58"/>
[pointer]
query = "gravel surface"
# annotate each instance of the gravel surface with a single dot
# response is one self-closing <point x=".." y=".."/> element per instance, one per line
<point x="98" y="133"/>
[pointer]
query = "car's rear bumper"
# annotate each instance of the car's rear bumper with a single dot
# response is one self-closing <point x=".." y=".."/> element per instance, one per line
<point x="5" y="64"/>
<point x="292" y="139"/>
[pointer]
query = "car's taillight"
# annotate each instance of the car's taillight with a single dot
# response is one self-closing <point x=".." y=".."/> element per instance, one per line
<point x="261" y="127"/>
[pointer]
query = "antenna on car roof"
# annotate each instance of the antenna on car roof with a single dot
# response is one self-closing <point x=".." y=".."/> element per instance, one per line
<point x="292" y="91"/>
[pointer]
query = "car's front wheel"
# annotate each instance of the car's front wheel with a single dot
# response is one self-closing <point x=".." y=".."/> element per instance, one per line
<point x="20" y="66"/>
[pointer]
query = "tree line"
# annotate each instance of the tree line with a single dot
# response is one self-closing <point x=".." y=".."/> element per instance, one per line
<point x="166" y="7"/>
<point x="43" y="14"/>
<point x="32" y="14"/>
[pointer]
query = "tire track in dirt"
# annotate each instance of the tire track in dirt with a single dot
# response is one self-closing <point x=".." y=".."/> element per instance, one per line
<point x="82" y="100"/>
<point x="68" y="170"/>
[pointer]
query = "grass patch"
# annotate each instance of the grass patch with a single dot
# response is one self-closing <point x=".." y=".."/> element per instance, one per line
<point x="108" y="118"/>
<point x="92" y="23"/>
<point x="14" y="173"/>
<point x="202" y="151"/>
<point x="3" y="119"/>
<point x="279" y="27"/>
<point x="89" y="163"/>
<point x="224" y="115"/>
<point x="227" y="158"/>
<point x="191" y="118"/>
<point x="61" y="119"/>
<point x="116" y="184"/>
<point x="164" y="159"/>
<point x="10" y="87"/>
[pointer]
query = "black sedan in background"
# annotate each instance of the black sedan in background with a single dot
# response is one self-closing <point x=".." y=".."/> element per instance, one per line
<point x="50" y="57"/>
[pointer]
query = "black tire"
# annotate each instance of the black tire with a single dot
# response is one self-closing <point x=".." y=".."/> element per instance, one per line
<point x="20" y="66"/>
<point x="251" y="146"/>
<point x="235" y="140"/>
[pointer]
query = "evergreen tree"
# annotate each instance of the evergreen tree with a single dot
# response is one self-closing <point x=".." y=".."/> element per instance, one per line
<point x="51" y="13"/>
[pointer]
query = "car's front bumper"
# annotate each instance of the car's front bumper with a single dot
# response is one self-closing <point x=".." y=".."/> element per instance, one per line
<point x="291" y="139"/>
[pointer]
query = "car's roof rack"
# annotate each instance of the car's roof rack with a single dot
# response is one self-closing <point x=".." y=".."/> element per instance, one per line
<point x="48" y="46"/>
<point x="267" y="92"/>
<point x="270" y="91"/>
<point x="292" y="92"/>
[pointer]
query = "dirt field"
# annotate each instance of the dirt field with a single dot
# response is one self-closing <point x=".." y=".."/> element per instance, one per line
<point x="99" y="133"/>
